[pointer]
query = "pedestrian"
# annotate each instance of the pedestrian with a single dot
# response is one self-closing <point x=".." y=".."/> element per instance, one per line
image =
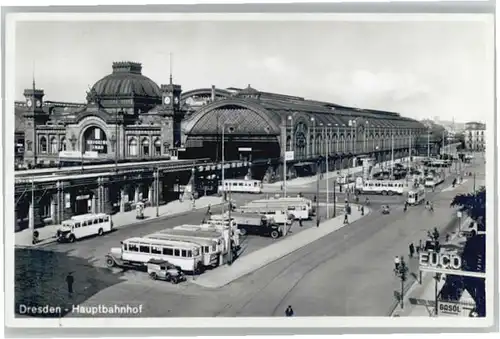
<point x="70" y="280"/>
<point x="412" y="250"/>
<point x="314" y="198"/>
<point x="447" y="237"/>
<point x="418" y="249"/>
<point x="362" y="210"/>
<point x="209" y="212"/>
<point x="300" y="221"/>
<point x="289" y="311"/>
<point x="397" y="261"/>
<point x="346" y="220"/>
<point x="317" y="222"/>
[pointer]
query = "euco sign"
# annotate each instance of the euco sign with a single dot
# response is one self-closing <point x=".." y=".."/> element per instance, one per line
<point x="440" y="260"/>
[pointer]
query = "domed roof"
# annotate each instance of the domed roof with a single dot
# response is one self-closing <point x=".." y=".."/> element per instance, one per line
<point x="125" y="81"/>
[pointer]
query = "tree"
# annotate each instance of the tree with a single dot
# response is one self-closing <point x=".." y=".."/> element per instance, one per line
<point x="473" y="255"/>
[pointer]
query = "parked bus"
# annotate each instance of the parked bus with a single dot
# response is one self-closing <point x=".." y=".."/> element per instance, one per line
<point x="416" y="196"/>
<point x="210" y="247"/>
<point x="384" y="187"/>
<point x="138" y="251"/>
<point x="255" y="223"/>
<point x="85" y="225"/>
<point x="241" y="186"/>
<point x="299" y="208"/>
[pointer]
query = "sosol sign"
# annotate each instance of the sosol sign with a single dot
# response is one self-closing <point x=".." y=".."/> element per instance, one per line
<point x="440" y="260"/>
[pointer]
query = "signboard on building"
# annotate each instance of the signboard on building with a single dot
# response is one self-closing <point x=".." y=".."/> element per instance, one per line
<point x="67" y="200"/>
<point x="70" y="154"/>
<point x="289" y="155"/>
<point x="444" y="261"/>
<point x="448" y="307"/>
<point x="244" y="149"/>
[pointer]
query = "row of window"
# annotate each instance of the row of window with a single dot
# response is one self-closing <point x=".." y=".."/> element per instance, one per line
<point x="133" y="147"/>
<point x="384" y="185"/>
<point x="91" y="222"/>
<point x="161" y="250"/>
<point x="348" y="136"/>
<point x="43" y="147"/>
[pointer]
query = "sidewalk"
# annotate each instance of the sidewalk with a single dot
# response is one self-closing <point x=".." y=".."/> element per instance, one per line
<point x="48" y="233"/>
<point x="419" y="300"/>
<point x="226" y="274"/>
<point x="302" y="181"/>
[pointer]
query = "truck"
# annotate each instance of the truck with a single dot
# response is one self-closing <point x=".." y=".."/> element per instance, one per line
<point x="256" y="223"/>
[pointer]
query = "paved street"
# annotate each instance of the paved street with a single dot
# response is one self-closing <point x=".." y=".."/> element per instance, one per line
<point x="348" y="272"/>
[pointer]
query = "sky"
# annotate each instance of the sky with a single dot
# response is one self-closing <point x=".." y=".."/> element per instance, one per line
<point x="420" y="69"/>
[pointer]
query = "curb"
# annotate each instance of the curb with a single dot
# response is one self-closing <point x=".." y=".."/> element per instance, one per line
<point x="48" y="241"/>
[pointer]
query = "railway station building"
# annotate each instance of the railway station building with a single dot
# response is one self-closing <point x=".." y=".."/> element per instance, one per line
<point x="127" y="117"/>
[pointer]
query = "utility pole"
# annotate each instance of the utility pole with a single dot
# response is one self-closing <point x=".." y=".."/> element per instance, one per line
<point x="437" y="277"/>
<point x="284" y="145"/>
<point x="402" y="272"/>
<point x="317" y="192"/>
<point x="392" y="152"/>
<point x="428" y="142"/>
<point x="327" y="183"/>
<point x="334" y="197"/>
<point x="32" y="209"/>
<point x="223" y="174"/>
<point x="230" y="232"/>
<point x="157" y="192"/>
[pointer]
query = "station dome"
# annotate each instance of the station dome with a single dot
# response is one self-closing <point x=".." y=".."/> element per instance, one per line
<point x="126" y="80"/>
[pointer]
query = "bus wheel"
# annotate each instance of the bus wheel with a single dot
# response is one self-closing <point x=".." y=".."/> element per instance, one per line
<point x="100" y="232"/>
<point x="110" y="262"/>
<point x="390" y="193"/>
<point x="153" y="276"/>
<point x="384" y="192"/>
<point x="275" y="234"/>
<point x="72" y="238"/>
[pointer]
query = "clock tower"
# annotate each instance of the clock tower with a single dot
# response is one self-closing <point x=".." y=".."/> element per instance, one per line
<point x="171" y="113"/>
<point x="34" y="116"/>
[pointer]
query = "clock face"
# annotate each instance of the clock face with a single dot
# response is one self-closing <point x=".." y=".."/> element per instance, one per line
<point x="166" y="100"/>
<point x="38" y="103"/>
<point x="29" y="103"/>
<point x="176" y="100"/>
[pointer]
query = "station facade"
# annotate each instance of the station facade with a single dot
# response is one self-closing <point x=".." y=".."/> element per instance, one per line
<point x="128" y="117"/>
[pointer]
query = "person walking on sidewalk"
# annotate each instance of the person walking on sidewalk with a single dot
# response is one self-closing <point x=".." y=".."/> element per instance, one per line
<point x="412" y="250"/>
<point x="317" y="222"/>
<point x="346" y="220"/>
<point x="209" y="210"/>
<point x="300" y="221"/>
<point x="69" y="281"/>
<point x="289" y="311"/>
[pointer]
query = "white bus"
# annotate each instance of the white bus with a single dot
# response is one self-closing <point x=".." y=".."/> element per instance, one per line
<point x="241" y="186"/>
<point x="299" y="208"/>
<point x="210" y="248"/>
<point x="85" y="225"/>
<point x="416" y="196"/>
<point x="384" y="187"/>
<point x="138" y="251"/>
<point x="274" y="214"/>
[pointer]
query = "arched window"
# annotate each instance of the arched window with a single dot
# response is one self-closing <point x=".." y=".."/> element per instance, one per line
<point x="132" y="147"/>
<point x="157" y="147"/>
<point x="53" y="145"/>
<point x="145" y="147"/>
<point x="63" y="144"/>
<point x="29" y="145"/>
<point x="43" y="145"/>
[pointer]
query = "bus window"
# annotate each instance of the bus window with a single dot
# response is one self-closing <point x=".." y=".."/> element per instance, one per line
<point x="155" y="250"/>
<point x="101" y="220"/>
<point x="183" y="254"/>
<point x="84" y="223"/>
<point x="77" y="224"/>
<point x="206" y="249"/>
<point x="106" y="219"/>
<point x="124" y="246"/>
<point x="168" y="251"/>
<point x="96" y="221"/>
<point x="144" y="248"/>
<point x="255" y="184"/>
<point x="240" y="184"/>
<point x="176" y="253"/>
<point x="133" y="248"/>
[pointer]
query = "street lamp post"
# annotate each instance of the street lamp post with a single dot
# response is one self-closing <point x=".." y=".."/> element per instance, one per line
<point x="402" y="272"/>
<point x="365" y="147"/>
<point x="338" y="138"/>
<point x="284" y="155"/>
<point x="157" y="191"/>
<point x="428" y="142"/>
<point x="313" y="133"/>
<point x="327" y="179"/>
